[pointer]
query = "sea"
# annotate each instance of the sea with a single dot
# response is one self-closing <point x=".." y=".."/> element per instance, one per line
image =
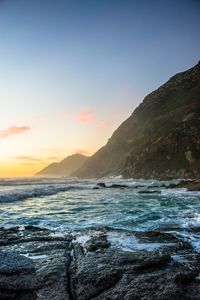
<point x="72" y="205"/>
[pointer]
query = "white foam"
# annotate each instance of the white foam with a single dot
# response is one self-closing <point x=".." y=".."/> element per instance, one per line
<point x="181" y="259"/>
<point x="82" y="239"/>
<point x="194" y="222"/>
<point x="57" y="234"/>
<point x="127" y="242"/>
<point x="195" y="242"/>
<point x="182" y="192"/>
<point x="34" y="257"/>
<point x="22" y="228"/>
<point x="192" y="238"/>
<point x="198" y="277"/>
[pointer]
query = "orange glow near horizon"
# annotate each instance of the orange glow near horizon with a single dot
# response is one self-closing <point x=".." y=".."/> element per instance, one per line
<point x="9" y="169"/>
<point x="26" y="166"/>
<point x="72" y="71"/>
<point x="36" y="142"/>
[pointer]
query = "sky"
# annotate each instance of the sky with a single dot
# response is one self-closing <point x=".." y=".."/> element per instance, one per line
<point x="72" y="71"/>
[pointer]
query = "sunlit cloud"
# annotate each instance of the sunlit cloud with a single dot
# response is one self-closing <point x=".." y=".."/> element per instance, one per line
<point x="13" y="130"/>
<point x="86" y="116"/>
<point x="30" y="158"/>
<point x="27" y="163"/>
<point x="53" y="158"/>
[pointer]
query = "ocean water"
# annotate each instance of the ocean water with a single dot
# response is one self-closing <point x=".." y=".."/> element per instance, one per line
<point x="74" y="205"/>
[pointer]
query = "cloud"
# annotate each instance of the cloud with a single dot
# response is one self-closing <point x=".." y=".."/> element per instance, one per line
<point x="54" y="158"/>
<point x="30" y="158"/>
<point x="86" y="116"/>
<point x="12" y="130"/>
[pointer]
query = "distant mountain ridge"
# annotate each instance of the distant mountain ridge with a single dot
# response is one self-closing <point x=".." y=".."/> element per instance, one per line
<point x="161" y="139"/>
<point x="65" y="167"/>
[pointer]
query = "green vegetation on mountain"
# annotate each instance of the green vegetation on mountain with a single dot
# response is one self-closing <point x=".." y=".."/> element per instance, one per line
<point x="161" y="139"/>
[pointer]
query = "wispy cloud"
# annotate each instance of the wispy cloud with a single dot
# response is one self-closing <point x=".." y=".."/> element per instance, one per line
<point x="13" y="130"/>
<point x="89" y="117"/>
<point x="54" y="158"/>
<point x="86" y="116"/>
<point x="30" y="158"/>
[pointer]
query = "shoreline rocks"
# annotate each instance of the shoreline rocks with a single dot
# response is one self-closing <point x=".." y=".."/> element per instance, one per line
<point x="18" y="278"/>
<point x="190" y="185"/>
<point x="95" y="265"/>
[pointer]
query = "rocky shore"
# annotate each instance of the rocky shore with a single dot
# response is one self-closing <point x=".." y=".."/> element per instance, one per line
<point x="190" y="185"/>
<point x="40" y="264"/>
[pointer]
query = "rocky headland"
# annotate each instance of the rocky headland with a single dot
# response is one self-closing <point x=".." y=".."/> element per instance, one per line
<point x="40" y="264"/>
<point x="160" y="140"/>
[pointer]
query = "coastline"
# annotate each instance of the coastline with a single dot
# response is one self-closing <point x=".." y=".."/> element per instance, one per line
<point x="93" y="265"/>
<point x="105" y="262"/>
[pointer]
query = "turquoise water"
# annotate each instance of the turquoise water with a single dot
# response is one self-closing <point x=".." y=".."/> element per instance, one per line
<point x="74" y="205"/>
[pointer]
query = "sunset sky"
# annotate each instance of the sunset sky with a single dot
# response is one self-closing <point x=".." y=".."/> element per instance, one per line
<point x="72" y="71"/>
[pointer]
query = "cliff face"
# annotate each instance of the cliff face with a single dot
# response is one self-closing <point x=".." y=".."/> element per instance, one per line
<point x="161" y="139"/>
<point x="64" y="168"/>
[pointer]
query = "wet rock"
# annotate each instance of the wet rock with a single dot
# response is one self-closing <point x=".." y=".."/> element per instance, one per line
<point x="115" y="274"/>
<point x="49" y="253"/>
<point x="97" y="270"/>
<point x="154" y="262"/>
<point x="139" y="186"/>
<point x="17" y="277"/>
<point x="156" y="236"/>
<point x="186" y="277"/>
<point x="153" y="186"/>
<point x="114" y="186"/>
<point x="149" y="192"/>
<point x="96" y="243"/>
<point x="53" y="275"/>
<point x="101" y="184"/>
<point x="190" y="185"/>
<point x="117" y="186"/>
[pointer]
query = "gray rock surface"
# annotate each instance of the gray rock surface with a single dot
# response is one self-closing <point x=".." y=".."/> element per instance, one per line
<point x="94" y="265"/>
<point x="18" y="278"/>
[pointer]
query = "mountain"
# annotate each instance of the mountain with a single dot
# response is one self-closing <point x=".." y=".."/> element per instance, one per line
<point x="65" y="167"/>
<point x="161" y="139"/>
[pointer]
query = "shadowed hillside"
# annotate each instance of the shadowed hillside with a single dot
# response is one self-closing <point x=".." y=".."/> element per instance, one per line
<point x="161" y="139"/>
<point x="64" y="168"/>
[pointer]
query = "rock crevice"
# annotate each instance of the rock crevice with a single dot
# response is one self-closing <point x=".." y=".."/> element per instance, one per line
<point x="62" y="267"/>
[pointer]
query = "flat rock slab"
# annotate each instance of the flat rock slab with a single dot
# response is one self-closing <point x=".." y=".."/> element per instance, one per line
<point x="97" y="268"/>
<point x="114" y="274"/>
<point x="18" y="278"/>
<point x="12" y="263"/>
